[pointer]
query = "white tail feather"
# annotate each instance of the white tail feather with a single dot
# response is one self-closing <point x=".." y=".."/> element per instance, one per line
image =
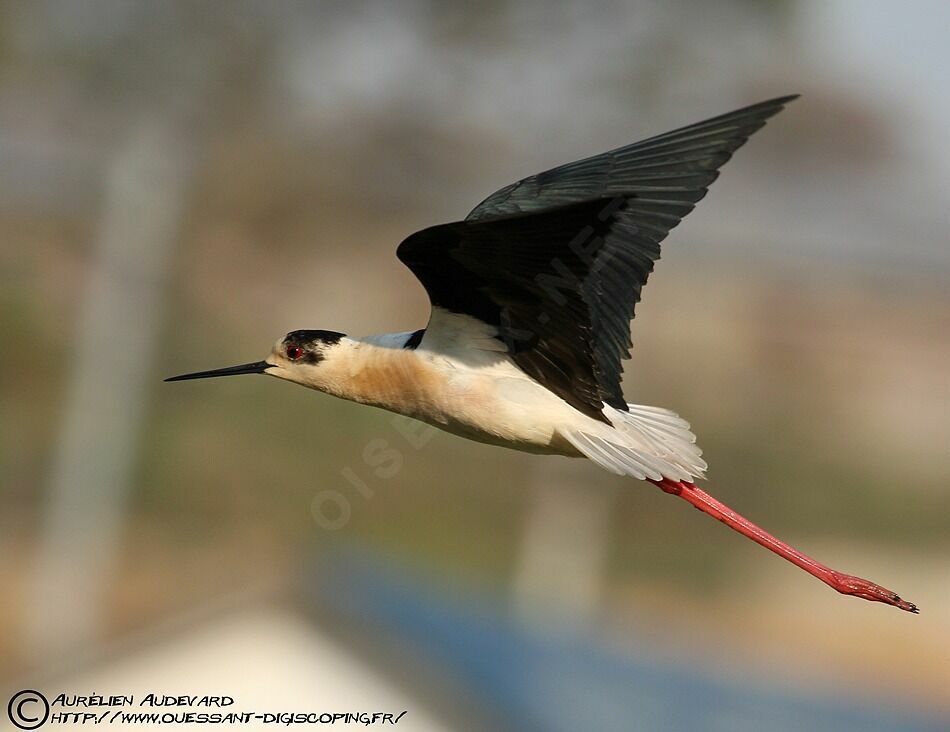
<point x="644" y="442"/>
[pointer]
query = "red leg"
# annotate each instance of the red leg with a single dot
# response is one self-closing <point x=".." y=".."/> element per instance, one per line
<point x="843" y="583"/>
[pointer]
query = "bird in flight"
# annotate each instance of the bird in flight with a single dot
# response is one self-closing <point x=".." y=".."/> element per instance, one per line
<point x="532" y="296"/>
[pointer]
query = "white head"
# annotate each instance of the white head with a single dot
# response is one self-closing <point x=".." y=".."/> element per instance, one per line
<point x="296" y="357"/>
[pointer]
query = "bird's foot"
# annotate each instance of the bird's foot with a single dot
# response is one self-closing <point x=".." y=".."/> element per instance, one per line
<point x="848" y="584"/>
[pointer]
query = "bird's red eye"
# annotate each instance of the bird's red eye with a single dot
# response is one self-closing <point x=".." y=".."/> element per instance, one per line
<point x="294" y="352"/>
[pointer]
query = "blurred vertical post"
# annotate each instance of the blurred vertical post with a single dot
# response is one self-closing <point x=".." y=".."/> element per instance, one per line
<point x="114" y="339"/>
<point x="559" y="575"/>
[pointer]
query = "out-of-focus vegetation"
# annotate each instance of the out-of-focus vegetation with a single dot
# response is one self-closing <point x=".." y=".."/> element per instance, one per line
<point x="799" y="318"/>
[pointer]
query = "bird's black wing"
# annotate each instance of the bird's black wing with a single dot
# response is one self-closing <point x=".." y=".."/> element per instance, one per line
<point x="668" y="173"/>
<point x="557" y="261"/>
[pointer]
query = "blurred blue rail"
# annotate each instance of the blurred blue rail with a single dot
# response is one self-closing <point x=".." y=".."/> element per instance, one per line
<point x="564" y="682"/>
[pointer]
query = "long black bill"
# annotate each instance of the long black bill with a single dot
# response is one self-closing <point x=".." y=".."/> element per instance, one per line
<point x="258" y="367"/>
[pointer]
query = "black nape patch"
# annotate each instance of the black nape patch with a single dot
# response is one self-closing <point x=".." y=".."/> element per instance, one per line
<point x="415" y="339"/>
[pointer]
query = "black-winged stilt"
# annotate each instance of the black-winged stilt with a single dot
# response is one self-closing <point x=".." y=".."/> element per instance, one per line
<point x="532" y="295"/>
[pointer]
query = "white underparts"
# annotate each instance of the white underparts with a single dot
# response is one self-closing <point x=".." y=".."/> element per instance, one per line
<point x="461" y="379"/>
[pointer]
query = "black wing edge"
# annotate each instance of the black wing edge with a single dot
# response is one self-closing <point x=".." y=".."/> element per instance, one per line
<point x="624" y="170"/>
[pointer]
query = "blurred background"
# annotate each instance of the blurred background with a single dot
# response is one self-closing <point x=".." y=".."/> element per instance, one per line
<point x="183" y="182"/>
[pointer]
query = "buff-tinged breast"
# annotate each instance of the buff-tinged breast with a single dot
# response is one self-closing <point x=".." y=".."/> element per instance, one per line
<point x="396" y="379"/>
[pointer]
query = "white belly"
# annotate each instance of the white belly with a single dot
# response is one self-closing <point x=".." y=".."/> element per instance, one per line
<point x="498" y="404"/>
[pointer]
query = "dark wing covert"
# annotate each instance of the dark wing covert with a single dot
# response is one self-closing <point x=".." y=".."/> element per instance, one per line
<point x="557" y="261"/>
